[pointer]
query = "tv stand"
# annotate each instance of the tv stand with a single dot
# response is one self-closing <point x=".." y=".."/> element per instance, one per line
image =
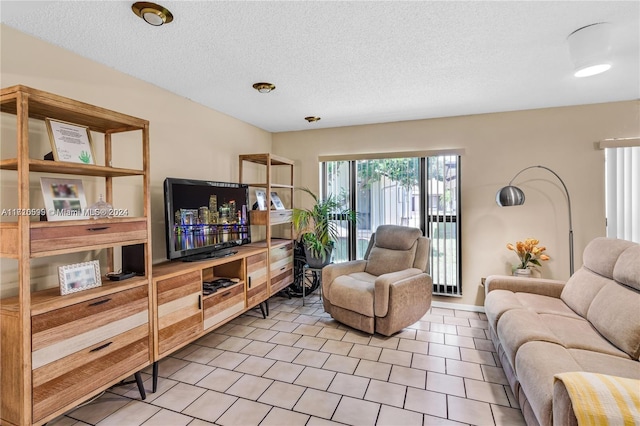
<point x="212" y="255"/>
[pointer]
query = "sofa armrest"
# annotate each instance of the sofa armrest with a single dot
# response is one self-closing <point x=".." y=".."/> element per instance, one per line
<point x="542" y="286"/>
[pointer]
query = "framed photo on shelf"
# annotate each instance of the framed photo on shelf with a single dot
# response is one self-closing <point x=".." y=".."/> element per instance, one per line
<point x="277" y="203"/>
<point x="63" y="198"/>
<point x="70" y="142"/>
<point x="261" y="199"/>
<point x="79" y="276"/>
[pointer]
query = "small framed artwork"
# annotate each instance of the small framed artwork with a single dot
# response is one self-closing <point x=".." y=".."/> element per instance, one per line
<point x="277" y="203"/>
<point x="70" y="142"/>
<point x="63" y="199"/>
<point x="79" y="276"/>
<point x="261" y="199"/>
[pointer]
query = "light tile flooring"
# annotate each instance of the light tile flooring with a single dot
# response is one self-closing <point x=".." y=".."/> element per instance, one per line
<point x="300" y="367"/>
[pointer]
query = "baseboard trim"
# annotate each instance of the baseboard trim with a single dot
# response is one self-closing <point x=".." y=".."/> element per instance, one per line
<point x="447" y="305"/>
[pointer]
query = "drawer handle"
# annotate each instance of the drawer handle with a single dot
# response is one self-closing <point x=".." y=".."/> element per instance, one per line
<point x="225" y="294"/>
<point x="101" y="228"/>
<point x="101" y="347"/>
<point x="100" y="302"/>
<point x="199" y="302"/>
<point x="249" y="282"/>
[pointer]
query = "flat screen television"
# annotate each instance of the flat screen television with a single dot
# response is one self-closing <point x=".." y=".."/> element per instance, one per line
<point x="205" y="219"/>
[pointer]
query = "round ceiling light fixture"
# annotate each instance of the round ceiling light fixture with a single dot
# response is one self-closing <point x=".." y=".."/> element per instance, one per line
<point x="590" y="49"/>
<point x="153" y="14"/>
<point x="312" y="119"/>
<point x="263" y="87"/>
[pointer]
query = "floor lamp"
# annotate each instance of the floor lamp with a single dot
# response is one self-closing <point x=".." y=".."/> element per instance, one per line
<point x="513" y="196"/>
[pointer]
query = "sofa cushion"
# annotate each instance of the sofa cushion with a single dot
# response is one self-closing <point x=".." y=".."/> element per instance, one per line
<point x="346" y="292"/>
<point x="581" y="288"/>
<point x="596" y="362"/>
<point x="395" y="237"/>
<point x="579" y="333"/>
<point x="627" y="269"/>
<point x="599" y="261"/>
<point x="536" y="364"/>
<point x="615" y="313"/>
<point x="519" y="326"/>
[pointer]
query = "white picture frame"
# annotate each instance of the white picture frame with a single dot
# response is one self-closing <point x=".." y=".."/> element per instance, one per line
<point x="64" y="199"/>
<point x="70" y="142"/>
<point x="261" y="199"/>
<point x="79" y="276"/>
<point x="277" y="203"/>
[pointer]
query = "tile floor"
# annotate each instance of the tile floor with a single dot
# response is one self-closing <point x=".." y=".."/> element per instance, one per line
<point x="300" y="367"/>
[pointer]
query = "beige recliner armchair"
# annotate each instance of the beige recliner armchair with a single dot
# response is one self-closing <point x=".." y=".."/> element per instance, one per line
<point x="386" y="291"/>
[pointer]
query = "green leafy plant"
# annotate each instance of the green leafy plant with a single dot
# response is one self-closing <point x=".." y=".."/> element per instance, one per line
<point x="85" y="157"/>
<point x="317" y="226"/>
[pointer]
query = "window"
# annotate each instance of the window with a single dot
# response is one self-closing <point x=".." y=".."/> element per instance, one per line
<point x="622" y="180"/>
<point x="418" y="191"/>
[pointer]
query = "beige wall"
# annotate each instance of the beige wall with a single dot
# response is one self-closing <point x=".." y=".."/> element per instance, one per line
<point x="187" y="139"/>
<point x="496" y="147"/>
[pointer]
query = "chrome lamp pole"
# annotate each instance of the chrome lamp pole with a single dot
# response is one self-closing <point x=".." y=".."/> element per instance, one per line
<point x="513" y="196"/>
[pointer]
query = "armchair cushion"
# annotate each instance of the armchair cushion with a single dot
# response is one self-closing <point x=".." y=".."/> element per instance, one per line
<point x="354" y="292"/>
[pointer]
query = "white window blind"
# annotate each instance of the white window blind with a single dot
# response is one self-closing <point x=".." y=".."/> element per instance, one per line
<point x="622" y="180"/>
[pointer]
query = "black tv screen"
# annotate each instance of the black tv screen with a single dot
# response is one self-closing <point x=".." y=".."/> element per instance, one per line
<point x="205" y="219"/>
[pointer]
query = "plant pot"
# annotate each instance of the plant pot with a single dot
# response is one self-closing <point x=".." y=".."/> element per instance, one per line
<point x="522" y="273"/>
<point x="316" y="261"/>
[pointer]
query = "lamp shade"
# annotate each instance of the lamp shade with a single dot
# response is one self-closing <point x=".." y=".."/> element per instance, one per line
<point x="510" y="196"/>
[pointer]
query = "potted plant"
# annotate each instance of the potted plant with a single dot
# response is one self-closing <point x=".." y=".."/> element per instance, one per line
<point x="530" y="255"/>
<point x="317" y="231"/>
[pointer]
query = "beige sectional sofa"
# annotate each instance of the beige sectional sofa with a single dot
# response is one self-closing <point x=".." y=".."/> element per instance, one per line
<point x="544" y="327"/>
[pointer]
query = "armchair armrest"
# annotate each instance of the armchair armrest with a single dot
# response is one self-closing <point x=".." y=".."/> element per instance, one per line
<point x="334" y="270"/>
<point x="542" y="286"/>
<point x="404" y="278"/>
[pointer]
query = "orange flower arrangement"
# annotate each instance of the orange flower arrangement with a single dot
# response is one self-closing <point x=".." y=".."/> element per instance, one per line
<point x="529" y="253"/>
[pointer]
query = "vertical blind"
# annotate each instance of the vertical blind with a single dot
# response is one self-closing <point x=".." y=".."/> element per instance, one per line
<point x="622" y="181"/>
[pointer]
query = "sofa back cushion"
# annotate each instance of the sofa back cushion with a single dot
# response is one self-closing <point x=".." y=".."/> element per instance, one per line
<point x="615" y="313"/>
<point x="599" y="260"/>
<point x="606" y="291"/>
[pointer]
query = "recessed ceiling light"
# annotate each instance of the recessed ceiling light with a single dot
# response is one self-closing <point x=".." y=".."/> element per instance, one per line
<point x="264" y="87"/>
<point x="153" y="14"/>
<point x="312" y="119"/>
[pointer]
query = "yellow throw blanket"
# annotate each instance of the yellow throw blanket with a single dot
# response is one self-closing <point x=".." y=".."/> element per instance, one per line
<point x="599" y="399"/>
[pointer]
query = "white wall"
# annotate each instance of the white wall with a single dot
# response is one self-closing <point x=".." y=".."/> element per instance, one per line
<point x="497" y="146"/>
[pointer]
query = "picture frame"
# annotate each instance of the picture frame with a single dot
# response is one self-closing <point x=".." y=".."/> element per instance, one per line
<point x="64" y="199"/>
<point x="70" y="142"/>
<point x="261" y="199"/>
<point x="79" y="276"/>
<point x="277" y="203"/>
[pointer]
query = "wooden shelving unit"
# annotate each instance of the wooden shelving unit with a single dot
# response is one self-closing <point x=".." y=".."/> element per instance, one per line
<point x="58" y="351"/>
<point x="277" y="175"/>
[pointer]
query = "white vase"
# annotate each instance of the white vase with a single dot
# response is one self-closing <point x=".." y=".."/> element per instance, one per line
<point x="522" y="273"/>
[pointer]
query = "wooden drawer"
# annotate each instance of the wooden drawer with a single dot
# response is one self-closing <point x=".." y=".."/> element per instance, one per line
<point x="179" y="312"/>
<point x="256" y="279"/>
<point x="62" y="332"/>
<point x="280" y="216"/>
<point x="68" y="379"/>
<point x="82" y="347"/>
<point x="63" y="237"/>
<point x="223" y="304"/>
<point x="281" y="281"/>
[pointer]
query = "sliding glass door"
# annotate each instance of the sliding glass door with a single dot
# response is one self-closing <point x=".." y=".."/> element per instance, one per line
<point x="421" y="192"/>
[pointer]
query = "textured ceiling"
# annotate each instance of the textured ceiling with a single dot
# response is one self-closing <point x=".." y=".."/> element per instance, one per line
<point x="349" y="62"/>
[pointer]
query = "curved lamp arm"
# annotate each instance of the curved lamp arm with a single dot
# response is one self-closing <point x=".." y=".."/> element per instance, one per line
<point x="568" y="202"/>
